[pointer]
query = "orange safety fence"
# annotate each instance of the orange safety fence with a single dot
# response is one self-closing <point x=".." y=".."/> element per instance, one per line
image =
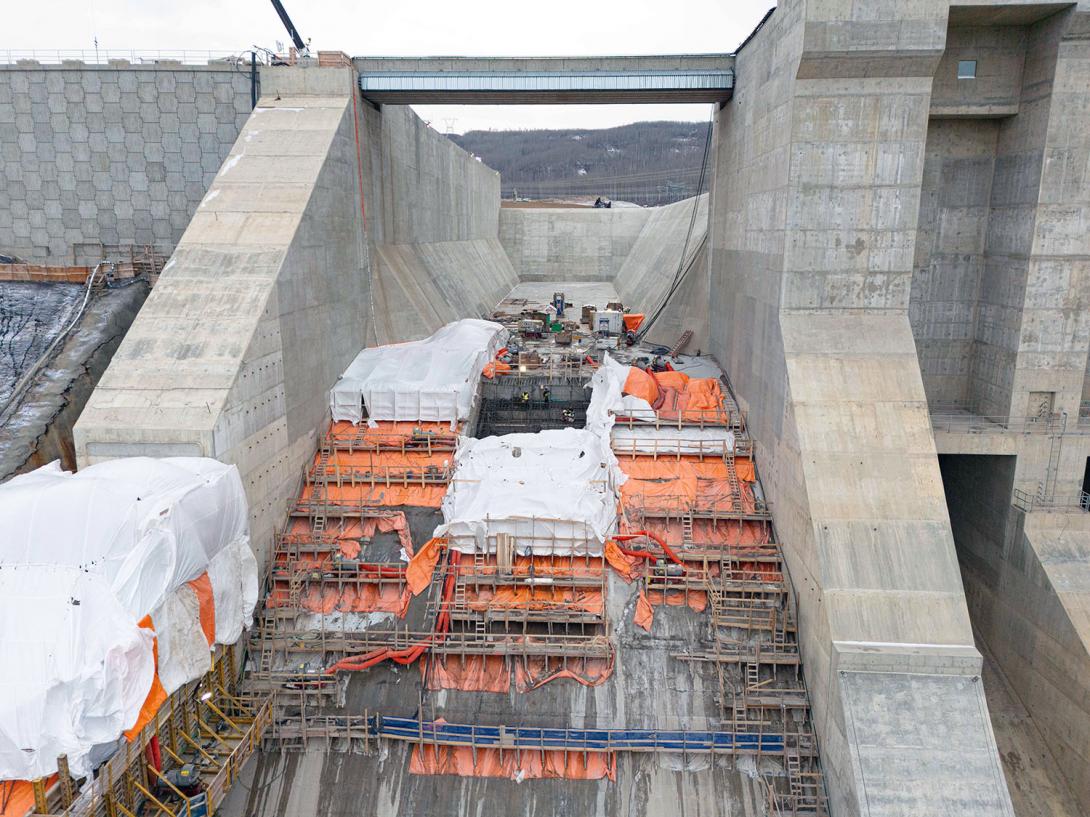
<point x="388" y="432"/>
<point x="464" y="761"/>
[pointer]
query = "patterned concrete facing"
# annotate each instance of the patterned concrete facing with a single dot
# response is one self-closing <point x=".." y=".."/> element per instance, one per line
<point x="110" y="155"/>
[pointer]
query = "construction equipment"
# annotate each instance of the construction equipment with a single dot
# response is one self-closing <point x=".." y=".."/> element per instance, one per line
<point x="296" y="38"/>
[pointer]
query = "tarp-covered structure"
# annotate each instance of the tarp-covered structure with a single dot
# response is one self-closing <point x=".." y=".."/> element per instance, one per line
<point x="554" y="492"/>
<point x="434" y="379"/>
<point x="99" y="571"/>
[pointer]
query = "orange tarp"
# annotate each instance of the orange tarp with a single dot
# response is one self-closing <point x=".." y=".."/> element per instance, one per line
<point x="672" y="380"/>
<point x="641" y="384"/>
<point x="202" y="586"/>
<point x="533" y="672"/>
<point x="625" y="565"/>
<point x="524" y="765"/>
<point x="696" y="599"/>
<point x="680" y="484"/>
<point x="724" y="532"/>
<point x="362" y="598"/>
<point x="546" y="566"/>
<point x="381" y="462"/>
<point x="157" y="695"/>
<point x="645" y="613"/>
<point x="632" y="321"/>
<point x="495" y="366"/>
<point x="471" y="673"/>
<point x="421" y="567"/>
<point x="383" y="495"/>
<point x="529" y="597"/>
<point x="388" y="432"/>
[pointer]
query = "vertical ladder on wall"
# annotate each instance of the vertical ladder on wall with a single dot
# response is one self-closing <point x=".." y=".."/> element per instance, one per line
<point x="735" y="487"/>
<point x="687" y="530"/>
<point x="321" y="489"/>
<point x="753" y="676"/>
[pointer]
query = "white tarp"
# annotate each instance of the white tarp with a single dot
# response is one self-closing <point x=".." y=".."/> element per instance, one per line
<point x="554" y="491"/>
<point x="434" y="379"/>
<point x="607" y="399"/>
<point x="84" y="557"/>
<point x="666" y="440"/>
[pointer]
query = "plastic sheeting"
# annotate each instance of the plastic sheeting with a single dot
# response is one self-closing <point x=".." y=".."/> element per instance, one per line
<point x="665" y="440"/>
<point x="434" y="379"/>
<point x="77" y="668"/>
<point x="85" y="560"/>
<point x="554" y="491"/>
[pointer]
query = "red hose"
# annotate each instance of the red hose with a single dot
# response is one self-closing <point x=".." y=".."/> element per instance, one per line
<point x="673" y="557"/>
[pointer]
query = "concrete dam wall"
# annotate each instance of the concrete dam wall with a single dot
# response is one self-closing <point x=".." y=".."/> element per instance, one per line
<point x="889" y="265"/>
<point x="279" y="262"/>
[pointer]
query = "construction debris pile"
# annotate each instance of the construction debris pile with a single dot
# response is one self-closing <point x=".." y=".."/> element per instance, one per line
<point x="489" y="562"/>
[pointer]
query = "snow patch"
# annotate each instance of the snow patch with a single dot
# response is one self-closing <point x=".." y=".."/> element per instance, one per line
<point x="211" y="195"/>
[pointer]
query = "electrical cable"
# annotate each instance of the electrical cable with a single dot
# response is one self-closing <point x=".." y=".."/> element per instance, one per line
<point x="682" y="267"/>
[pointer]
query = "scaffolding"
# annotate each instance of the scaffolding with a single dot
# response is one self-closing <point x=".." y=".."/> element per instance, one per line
<point x="208" y="728"/>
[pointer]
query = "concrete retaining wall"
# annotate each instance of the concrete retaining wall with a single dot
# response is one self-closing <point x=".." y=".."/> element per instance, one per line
<point x="433" y="220"/>
<point x="110" y="155"/>
<point x="648" y="271"/>
<point x="578" y="244"/>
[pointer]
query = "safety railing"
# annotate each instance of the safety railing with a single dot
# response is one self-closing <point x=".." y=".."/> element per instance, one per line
<point x="967" y="423"/>
<point x="1062" y="503"/>
<point x="102" y="56"/>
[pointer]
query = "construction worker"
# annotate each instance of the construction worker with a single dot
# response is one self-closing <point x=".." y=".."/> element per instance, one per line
<point x="524" y="398"/>
<point x="545" y="394"/>
<point x="568" y="415"/>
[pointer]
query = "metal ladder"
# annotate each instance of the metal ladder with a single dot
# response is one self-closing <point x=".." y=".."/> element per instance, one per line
<point x="735" y="487"/>
<point x="687" y="530"/>
<point x="682" y="342"/>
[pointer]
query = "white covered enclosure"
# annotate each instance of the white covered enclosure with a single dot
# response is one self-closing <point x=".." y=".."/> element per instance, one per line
<point x="84" y="557"/>
<point x="554" y="492"/>
<point x="434" y="379"/>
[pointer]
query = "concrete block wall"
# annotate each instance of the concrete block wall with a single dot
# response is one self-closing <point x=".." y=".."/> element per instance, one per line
<point x="818" y="173"/>
<point x="260" y="308"/>
<point x="111" y="155"/>
<point x="576" y="244"/>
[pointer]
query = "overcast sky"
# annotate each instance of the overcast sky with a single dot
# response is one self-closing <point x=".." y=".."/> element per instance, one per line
<point x="410" y="28"/>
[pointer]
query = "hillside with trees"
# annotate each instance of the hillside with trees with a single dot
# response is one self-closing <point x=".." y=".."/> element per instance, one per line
<point x="648" y="163"/>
